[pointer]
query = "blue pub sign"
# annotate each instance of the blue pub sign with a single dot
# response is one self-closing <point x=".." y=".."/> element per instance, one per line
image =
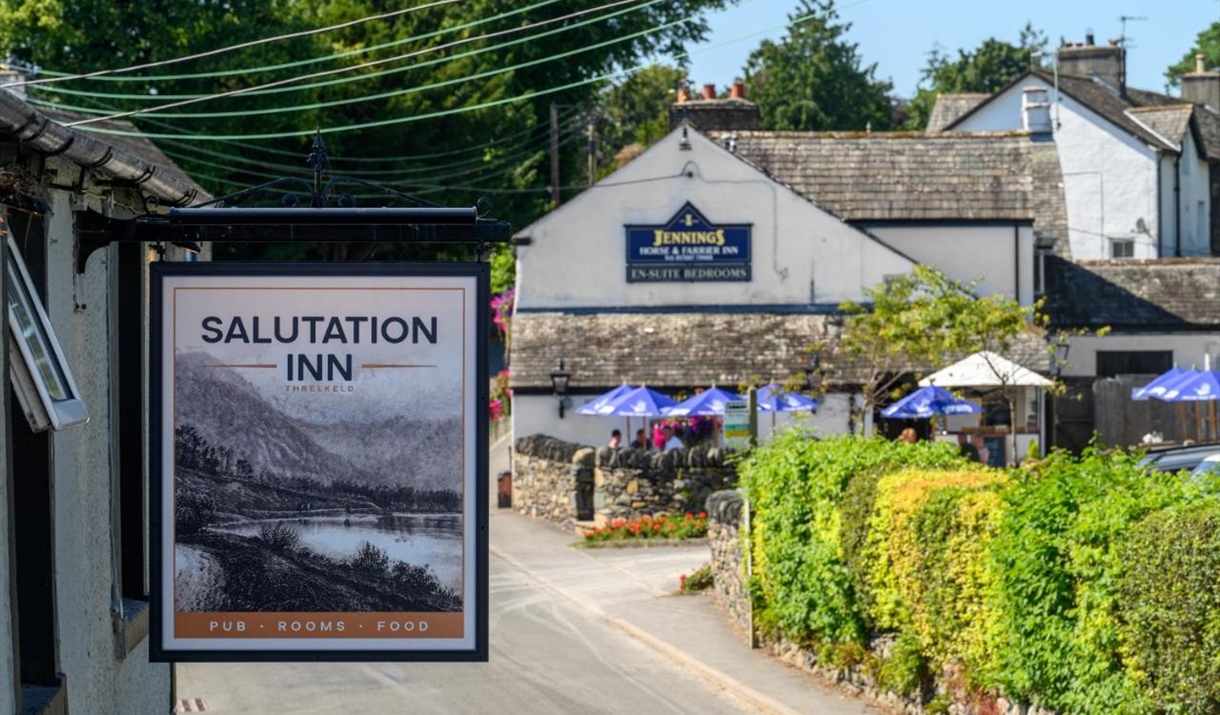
<point x="688" y="248"/>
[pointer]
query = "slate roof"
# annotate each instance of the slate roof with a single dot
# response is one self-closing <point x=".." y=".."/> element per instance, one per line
<point x="1135" y="295"/>
<point x="949" y="107"/>
<point x="908" y="176"/>
<point x="683" y="350"/>
<point x="1171" y="122"/>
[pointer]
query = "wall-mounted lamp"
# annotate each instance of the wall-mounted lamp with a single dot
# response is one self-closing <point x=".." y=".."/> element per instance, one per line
<point x="559" y="386"/>
<point x="1059" y="361"/>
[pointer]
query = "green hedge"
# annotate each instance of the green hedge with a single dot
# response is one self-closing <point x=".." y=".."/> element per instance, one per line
<point x="1033" y="583"/>
<point x="1169" y="608"/>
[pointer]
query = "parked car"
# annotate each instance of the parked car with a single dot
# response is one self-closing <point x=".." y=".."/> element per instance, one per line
<point x="1176" y="459"/>
<point x="1209" y="465"/>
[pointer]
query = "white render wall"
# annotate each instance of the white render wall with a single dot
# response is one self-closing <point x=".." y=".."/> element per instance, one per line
<point x="84" y="487"/>
<point x="988" y="254"/>
<point x="1109" y="176"/>
<point x="1188" y="349"/>
<point x="801" y="255"/>
<point x="1196" y="202"/>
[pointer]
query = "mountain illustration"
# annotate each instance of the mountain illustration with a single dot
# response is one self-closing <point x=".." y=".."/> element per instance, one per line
<point x="228" y="410"/>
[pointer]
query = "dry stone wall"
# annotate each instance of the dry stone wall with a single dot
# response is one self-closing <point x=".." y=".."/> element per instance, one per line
<point x="564" y="483"/>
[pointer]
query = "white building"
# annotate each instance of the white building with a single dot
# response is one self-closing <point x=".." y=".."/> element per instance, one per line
<point x="74" y="522"/>
<point x="1136" y="165"/>
<point x="827" y="217"/>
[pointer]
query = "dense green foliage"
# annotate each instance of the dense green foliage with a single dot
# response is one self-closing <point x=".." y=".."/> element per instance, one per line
<point x="1169" y="608"/>
<point x="1082" y="584"/>
<point x="986" y="70"/>
<point x="795" y="485"/>
<point x="814" y="79"/>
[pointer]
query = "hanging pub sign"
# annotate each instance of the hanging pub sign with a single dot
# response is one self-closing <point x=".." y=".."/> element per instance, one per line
<point x="688" y="248"/>
<point x="319" y="457"/>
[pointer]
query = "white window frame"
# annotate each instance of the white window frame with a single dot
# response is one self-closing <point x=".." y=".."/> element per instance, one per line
<point x="1127" y="243"/>
<point x="31" y="337"/>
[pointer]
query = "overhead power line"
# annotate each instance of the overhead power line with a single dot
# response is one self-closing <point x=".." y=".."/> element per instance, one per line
<point x="363" y="65"/>
<point x="470" y="108"/>
<point x="244" y="45"/>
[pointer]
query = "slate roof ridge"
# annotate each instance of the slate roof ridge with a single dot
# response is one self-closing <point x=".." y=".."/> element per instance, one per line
<point x="1174" y="261"/>
<point x="887" y="136"/>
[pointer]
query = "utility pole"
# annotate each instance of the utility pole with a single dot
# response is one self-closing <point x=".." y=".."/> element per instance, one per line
<point x="592" y="156"/>
<point x="555" y="154"/>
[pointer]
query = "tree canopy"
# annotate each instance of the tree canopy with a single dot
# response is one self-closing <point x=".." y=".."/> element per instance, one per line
<point x="1208" y="43"/>
<point x="987" y="68"/>
<point x="814" y="79"/>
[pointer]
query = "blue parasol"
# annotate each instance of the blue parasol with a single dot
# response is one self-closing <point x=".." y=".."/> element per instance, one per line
<point x="708" y="402"/>
<point x="772" y="398"/>
<point x="1158" y="387"/>
<point x="637" y="402"/>
<point x="927" y="402"/>
<point x="594" y="406"/>
<point x="1196" y="386"/>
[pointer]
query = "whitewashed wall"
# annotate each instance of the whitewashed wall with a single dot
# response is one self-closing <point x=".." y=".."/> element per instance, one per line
<point x="801" y="254"/>
<point x="1196" y="201"/>
<point x="1109" y="176"/>
<point x="1188" y="349"/>
<point x="83" y="491"/>
<point x="968" y="253"/>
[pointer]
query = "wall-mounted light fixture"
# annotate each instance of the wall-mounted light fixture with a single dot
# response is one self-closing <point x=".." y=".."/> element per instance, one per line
<point x="559" y="386"/>
<point x="1059" y="361"/>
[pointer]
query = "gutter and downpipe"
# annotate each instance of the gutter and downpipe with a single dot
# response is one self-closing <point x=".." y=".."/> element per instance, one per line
<point x="21" y="123"/>
<point x="1177" y="206"/>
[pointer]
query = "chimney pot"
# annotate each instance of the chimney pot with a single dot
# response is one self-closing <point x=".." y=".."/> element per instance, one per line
<point x="1200" y="67"/>
<point x="683" y="94"/>
<point x="738" y="91"/>
<point x="709" y="91"/>
<point x="1088" y="38"/>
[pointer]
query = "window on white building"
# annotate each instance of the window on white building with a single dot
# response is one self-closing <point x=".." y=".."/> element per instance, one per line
<point x="40" y="375"/>
<point x="1122" y="248"/>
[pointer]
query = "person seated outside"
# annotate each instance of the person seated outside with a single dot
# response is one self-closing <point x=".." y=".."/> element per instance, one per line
<point x="616" y="438"/>
<point x="908" y="435"/>
<point x="672" y="441"/>
<point x="640" y="441"/>
<point x="968" y="450"/>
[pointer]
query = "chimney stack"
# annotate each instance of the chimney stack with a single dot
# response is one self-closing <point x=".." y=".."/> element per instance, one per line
<point x="709" y="91"/>
<point x="1035" y="110"/>
<point x="1108" y="63"/>
<point x="1201" y="86"/>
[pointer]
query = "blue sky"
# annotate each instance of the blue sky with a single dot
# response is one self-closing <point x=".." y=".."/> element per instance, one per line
<point x="897" y="34"/>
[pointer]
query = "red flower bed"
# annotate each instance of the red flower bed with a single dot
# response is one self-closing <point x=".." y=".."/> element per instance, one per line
<point x="664" y="526"/>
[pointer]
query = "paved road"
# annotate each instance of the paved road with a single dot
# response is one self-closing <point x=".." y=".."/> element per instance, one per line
<point x="549" y="655"/>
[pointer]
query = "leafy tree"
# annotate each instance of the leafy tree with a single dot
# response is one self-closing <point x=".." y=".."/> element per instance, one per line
<point x="924" y="318"/>
<point x="636" y="111"/>
<point x="987" y="68"/>
<point x="1208" y="43"/>
<point x="814" y="79"/>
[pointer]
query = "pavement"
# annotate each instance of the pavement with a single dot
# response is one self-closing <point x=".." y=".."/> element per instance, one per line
<point x="636" y="591"/>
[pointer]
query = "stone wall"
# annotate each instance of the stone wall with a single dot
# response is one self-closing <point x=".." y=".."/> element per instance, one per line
<point x="726" y="519"/>
<point x="556" y="481"/>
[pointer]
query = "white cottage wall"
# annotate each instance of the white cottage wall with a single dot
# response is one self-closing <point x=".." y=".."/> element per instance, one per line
<point x="999" y="257"/>
<point x="1188" y="349"/>
<point x="1196" y="201"/>
<point x="84" y="490"/>
<point x="800" y="254"/>
<point x="1110" y="177"/>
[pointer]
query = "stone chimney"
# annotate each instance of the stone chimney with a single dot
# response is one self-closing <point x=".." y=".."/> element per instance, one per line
<point x="1035" y="110"/>
<point x="709" y="114"/>
<point x="1201" y="86"/>
<point x="1088" y="60"/>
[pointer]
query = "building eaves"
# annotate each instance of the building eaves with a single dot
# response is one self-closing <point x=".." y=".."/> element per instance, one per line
<point x="134" y="160"/>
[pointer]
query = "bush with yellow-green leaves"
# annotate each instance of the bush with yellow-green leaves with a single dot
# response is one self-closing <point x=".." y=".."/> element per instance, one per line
<point x="1058" y="584"/>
